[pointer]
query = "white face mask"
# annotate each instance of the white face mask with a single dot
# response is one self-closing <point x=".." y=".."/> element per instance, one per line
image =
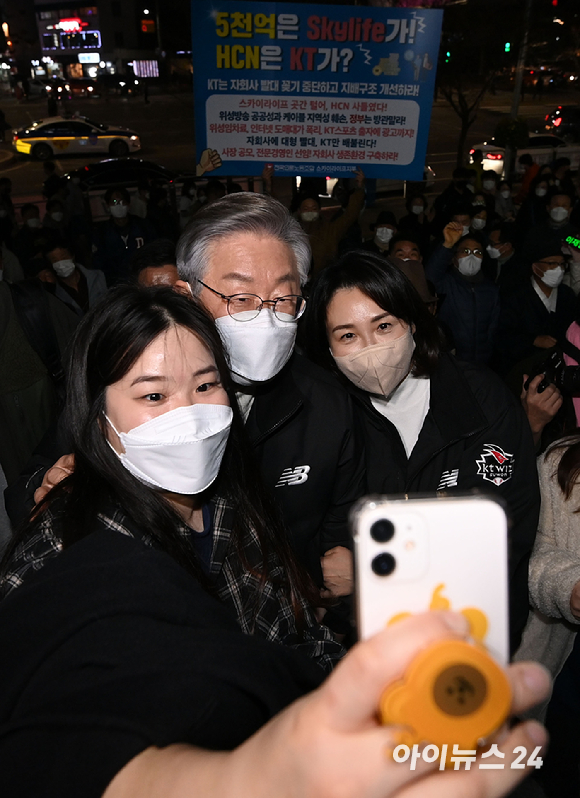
<point x="259" y="348"/>
<point x="384" y="234"/>
<point x="488" y="185"/>
<point x="469" y="265"/>
<point x="57" y="216"/>
<point x="478" y="224"/>
<point x="379" y="368"/>
<point x="33" y="223"/>
<point x="417" y="209"/>
<point x="180" y="451"/>
<point x="493" y="252"/>
<point x="64" y="268"/>
<point x="541" y="192"/>
<point x="559" y="214"/>
<point x="309" y="216"/>
<point x="119" y="211"/>
<point x="553" y="277"/>
<point x="465" y="230"/>
<point x="506" y="194"/>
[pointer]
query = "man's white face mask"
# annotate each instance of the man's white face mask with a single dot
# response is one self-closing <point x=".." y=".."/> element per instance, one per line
<point x="259" y="348"/>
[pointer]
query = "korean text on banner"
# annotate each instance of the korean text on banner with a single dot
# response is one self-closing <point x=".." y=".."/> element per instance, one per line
<point x="314" y="89"/>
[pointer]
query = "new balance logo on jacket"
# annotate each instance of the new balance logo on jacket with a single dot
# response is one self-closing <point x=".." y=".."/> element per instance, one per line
<point x="293" y="476"/>
<point x="448" y="479"/>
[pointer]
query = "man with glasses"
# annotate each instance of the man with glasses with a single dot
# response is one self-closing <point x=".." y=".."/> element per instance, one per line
<point x="534" y="318"/>
<point x="246" y="259"/>
<point x="470" y="309"/>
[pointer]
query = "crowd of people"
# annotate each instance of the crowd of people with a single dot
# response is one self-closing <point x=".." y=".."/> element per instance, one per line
<point x="194" y="397"/>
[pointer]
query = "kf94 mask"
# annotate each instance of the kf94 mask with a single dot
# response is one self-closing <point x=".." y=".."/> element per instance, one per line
<point x="180" y="451"/>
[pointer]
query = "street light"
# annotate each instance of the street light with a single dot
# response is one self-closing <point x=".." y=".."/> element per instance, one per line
<point x="146" y="11"/>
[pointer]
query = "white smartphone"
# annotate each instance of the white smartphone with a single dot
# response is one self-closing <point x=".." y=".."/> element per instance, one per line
<point x="433" y="552"/>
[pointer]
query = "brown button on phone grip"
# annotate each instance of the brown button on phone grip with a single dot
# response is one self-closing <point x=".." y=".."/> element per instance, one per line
<point x="452" y="693"/>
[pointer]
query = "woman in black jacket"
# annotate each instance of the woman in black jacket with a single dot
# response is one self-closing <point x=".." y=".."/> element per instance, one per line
<point x="430" y="421"/>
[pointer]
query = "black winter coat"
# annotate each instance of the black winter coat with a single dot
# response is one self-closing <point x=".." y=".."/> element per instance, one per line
<point x="470" y="309"/>
<point x="475" y="432"/>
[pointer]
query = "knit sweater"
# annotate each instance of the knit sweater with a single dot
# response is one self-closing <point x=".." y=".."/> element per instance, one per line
<point x="554" y="570"/>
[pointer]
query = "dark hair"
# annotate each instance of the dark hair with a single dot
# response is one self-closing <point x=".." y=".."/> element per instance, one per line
<point x="460" y="173"/>
<point x="540" y="178"/>
<point x="29" y="206"/>
<point x="568" y="472"/>
<point x="107" y="342"/>
<point x="475" y="236"/>
<point x="526" y="159"/>
<point x="52" y="203"/>
<point x="215" y="188"/>
<point x="489" y="174"/>
<point x="187" y="184"/>
<point x="153" y="255"/>
<point x="117" y="190"/>
<point x="403" y="236"/>
<point x="559" y="162"/>
<point x="508" y="232"/>
<point x="556" y="191"/>
<point x="386" y="285"/>
<point x="463" y="209"/>
<point x="307" y="195"/>
<point x="414" y="196"/>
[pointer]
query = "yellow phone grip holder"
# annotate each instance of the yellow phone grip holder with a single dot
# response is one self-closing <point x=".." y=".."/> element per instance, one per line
<point x="452" y="693"/>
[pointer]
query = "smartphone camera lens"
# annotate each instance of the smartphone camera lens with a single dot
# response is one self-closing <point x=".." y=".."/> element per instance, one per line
<point x="383" y="564"/>
<point x="382" y="530"/>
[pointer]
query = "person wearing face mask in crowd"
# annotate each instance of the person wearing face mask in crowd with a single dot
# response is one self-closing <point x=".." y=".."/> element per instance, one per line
<point x="55" y="218"/>
<point x="534" y="318"/>
<point x="76" y="286"/>
<point x="28" y="243"/>
<point x="455" y="194"/>
<point x="531" y="169"/>
<point x="384" y="228"/>
<point x="479" y="221"/>
<point x="430" y="422"/>
<point x="418" y="220"/>
<point x="52" y="182"/>
<point x="246" y="258"/>
<point x="504" y="204"/>
<point x="556" y="227"/>
<point x="471" y="305"/>
<point x="187" y="200"/>
<point x="532" y="212"/>
<point x="505" y="266"/>
<point x="324" y="234"/>
<point x="116" y="240"/>
<point x="562" y="176"/>
<point x="489" y="181"/>
<point x="139" y="200"/>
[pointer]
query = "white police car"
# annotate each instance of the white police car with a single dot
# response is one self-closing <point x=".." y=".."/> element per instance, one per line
<point x="77" y="135"/>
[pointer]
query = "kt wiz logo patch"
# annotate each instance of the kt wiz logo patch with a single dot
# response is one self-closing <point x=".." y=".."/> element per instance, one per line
<point x="495" y="465"/>
<point x="293" y="476"/>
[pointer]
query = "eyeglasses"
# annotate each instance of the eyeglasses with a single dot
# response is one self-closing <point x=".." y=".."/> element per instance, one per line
<point x="467" y="251"/>
<point x="551" y="264"/>
<point x="118" y="202"/>
<point x="250" y="305"/>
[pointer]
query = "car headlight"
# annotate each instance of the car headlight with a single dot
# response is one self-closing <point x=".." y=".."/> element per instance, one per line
<point x="134" y="138"/>
<point x="89" y="88"/>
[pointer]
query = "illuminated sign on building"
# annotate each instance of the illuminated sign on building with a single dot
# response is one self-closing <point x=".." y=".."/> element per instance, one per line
<point x="89" y="58"/>
<point x="70" y="25"/>
<point x="146" y="69"/>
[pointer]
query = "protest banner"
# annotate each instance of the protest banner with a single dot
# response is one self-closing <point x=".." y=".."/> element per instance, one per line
<point x="313" y="89"/>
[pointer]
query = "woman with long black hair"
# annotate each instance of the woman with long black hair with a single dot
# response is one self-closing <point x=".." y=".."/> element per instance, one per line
<point x="162" y="456"/>
<point x="430" y="421"/>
